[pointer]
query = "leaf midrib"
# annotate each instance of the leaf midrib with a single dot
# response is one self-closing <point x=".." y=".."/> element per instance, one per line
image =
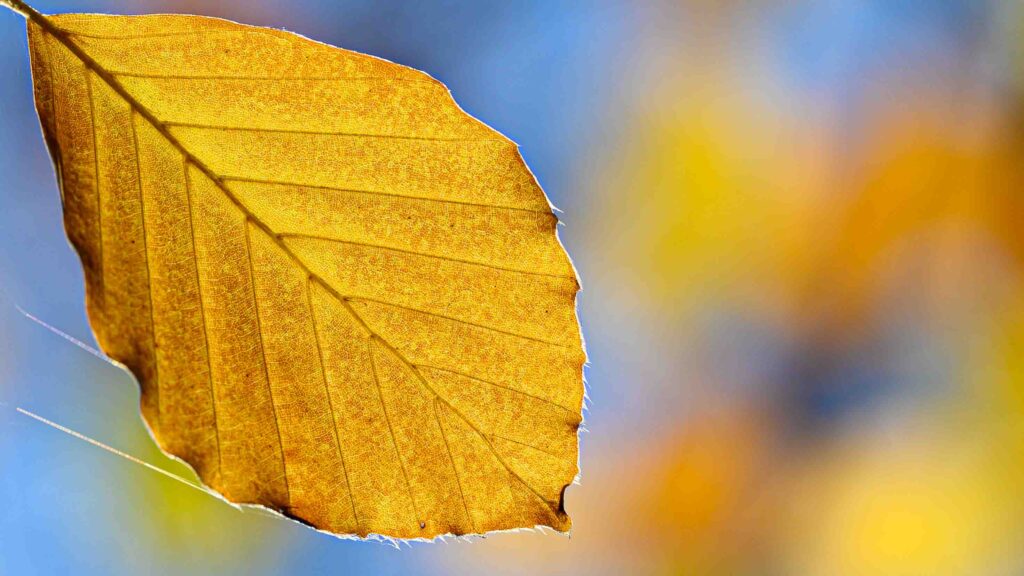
<point x="62" y="37"/>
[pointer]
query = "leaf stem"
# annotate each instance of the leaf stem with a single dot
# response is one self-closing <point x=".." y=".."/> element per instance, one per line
<point x="21" y="8"/>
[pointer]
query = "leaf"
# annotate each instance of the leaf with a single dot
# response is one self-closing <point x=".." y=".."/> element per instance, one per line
<point x="343" y="297"/>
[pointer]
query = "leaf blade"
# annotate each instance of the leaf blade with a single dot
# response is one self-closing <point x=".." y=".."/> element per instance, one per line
<point x="462" y="272"/>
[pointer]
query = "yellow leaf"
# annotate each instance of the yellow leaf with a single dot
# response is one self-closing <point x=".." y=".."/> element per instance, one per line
<point x="343" y="297"/>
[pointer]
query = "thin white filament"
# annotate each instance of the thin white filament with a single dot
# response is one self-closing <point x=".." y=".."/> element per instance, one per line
<point x="110" y="449"/>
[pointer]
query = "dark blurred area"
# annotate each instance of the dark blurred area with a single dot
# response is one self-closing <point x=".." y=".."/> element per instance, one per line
<point x="798" y="226"/>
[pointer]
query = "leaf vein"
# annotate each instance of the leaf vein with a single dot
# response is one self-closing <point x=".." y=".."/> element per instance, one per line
<point x="521" y="443"/>
<point x="226" y="128"/>
<point x="149" y="272"/>
<point x="496" y="385"/>
<point x="287" y="235"/>
<point x="202" y="311"/>
<point x="263" y="360"/>
<point x="99" y="198"/>
<point x="377" y="193"/>
<point x="330" y="402"/>
<point x="147" y="76"/>
<point x="455" y="469"/>
<point x="458" y="320"/>
<point x="144" y="36"/>
<point x="391" y="431"/>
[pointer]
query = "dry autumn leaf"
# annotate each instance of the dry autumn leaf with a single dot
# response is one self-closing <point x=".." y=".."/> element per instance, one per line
<point x="343" y="297"/>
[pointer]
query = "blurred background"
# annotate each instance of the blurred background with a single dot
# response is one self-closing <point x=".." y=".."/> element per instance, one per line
<point x="798" y="226"/>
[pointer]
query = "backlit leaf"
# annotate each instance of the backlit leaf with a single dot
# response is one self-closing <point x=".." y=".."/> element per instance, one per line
<point x="343" y="297"/>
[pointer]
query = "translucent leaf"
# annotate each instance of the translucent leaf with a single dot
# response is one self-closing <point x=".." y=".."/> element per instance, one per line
<point x="343" y="297"/>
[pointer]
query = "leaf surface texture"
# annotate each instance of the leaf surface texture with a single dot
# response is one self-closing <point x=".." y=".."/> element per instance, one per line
<point x="344" y="298"/>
